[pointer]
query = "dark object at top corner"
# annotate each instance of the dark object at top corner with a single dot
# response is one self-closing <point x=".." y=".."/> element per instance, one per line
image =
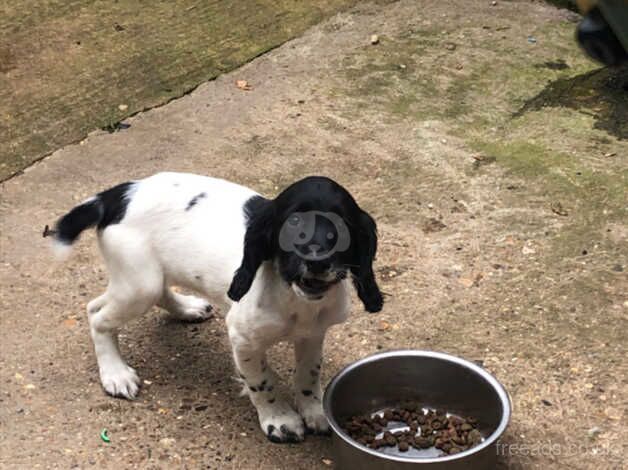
<point x="603" y="32"/>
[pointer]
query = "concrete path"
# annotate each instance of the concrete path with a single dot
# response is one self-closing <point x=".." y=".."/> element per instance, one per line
<point x="503" y="240"/>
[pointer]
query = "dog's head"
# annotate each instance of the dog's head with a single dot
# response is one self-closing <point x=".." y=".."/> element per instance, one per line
<point x="316" y="234"/>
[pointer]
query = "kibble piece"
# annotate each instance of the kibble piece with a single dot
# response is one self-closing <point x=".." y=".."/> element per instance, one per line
<point x="466" y="427"/>
<point x="474" y="437"/>
<point x="423" y="443"/>
<point x="455" y="420"/>
<point x="454" y="450"/>
<point x="403" y="446"/>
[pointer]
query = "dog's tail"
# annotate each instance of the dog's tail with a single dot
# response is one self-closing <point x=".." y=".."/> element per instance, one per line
<point x="106" y="208"/>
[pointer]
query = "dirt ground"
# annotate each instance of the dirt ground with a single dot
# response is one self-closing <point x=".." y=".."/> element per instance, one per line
<point x="490" y="151"/>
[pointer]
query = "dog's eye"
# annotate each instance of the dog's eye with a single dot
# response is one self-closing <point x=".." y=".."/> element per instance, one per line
<point x="302" y="235"/>
<point x="330" y="236"/>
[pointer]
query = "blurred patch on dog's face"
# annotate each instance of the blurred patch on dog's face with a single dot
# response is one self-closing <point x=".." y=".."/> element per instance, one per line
<point x="314" y="235"/>
<point x="311" y="247"/>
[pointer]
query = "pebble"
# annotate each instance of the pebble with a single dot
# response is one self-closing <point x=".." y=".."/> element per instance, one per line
<point x="594" y="432"/>
<point x="167" y="441"/>
<point x="374" y="39"/>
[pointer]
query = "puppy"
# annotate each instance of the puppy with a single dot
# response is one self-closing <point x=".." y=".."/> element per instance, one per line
<point x="281" y="267"/>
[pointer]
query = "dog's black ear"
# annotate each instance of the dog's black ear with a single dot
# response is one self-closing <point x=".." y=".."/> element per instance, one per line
<point x="363" y="276"/>
<point x="258" y="245"/>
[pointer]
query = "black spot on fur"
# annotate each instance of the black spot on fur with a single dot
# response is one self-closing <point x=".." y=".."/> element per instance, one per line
<point x="307" y="393"/>
<point x="291" y="436"/>
<point x="271" y="400"/>
<point x="271" y="436"/>
<point x="198" y="277"/>
<point x="115" y="202"/>
<point x="195" y="200"/>
<point x="246" y="360"/>
<point x="252" y="389"/>
<point x="270" y="388"/>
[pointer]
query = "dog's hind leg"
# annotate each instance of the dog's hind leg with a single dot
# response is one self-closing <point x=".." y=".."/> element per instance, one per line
<point x="185" y="307"/>
<point x="135" y="285"/>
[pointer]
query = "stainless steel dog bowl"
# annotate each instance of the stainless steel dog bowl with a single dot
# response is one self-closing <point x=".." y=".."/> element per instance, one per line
<point x="439" y="381"/>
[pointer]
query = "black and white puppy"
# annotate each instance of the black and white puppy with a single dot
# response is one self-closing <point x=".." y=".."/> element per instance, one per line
<point x="281" y="267"/>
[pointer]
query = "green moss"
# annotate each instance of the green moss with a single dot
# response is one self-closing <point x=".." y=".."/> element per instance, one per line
<point x="153" y="55"/>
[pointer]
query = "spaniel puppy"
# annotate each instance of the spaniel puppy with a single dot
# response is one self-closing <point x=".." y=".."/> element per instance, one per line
<point x="282" y="267"/>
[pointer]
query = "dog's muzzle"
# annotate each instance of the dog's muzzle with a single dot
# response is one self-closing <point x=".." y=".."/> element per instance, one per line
<point x="314" y="288"/>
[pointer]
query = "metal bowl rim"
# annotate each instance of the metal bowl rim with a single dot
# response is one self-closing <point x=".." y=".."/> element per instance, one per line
<point x="495" y="384"/>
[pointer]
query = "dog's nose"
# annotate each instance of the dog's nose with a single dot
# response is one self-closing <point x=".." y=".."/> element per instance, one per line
<point x="314" y="247"/>
<point x="318" y="267"/>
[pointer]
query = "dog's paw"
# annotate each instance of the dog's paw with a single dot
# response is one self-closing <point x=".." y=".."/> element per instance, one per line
<point x="120" y="381"/>
<point x="192" y="309"/>
<point x="282" y="424"/>
<point x="314" y="417"/>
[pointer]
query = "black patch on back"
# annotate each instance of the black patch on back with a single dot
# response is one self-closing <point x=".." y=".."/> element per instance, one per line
<point x="114" y="202"/>
<point x="195" y="200"/>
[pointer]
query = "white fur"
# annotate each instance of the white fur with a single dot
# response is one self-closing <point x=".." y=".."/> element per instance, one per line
<point x="159" y="243"/>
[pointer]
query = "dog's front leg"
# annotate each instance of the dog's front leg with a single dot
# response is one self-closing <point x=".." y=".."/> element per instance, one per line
<point x="307" y="383"/>
<point x="278" y="420"/>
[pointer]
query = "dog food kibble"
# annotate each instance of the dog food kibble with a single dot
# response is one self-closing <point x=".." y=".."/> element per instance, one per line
<point x="424" y="428"/>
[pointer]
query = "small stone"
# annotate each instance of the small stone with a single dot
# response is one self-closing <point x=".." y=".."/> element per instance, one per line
<point x="594" y="432"/>
<point x="327" y="462"/>
<point x="374" y="39"/>
<point x="123" y="107"/>
<point x="243" y="85"/>
<point x="527" y="250"/>
<point x="167" y="441"/>
<point x="618" y="268"/>
<point x="450" y="46"/>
